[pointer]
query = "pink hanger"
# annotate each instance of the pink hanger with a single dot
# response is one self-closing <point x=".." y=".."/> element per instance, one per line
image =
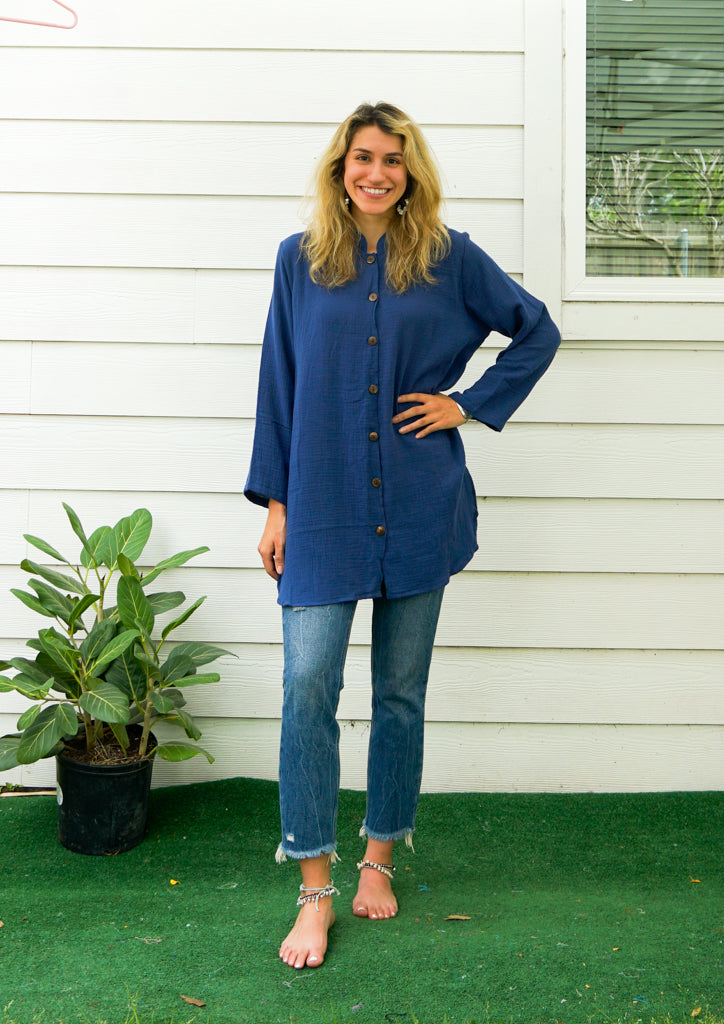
<point x="46" y="24"/>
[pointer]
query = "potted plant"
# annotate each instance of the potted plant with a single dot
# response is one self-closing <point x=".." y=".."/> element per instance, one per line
<point x="101" y="678"/>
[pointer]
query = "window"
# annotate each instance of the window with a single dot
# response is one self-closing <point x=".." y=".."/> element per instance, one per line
<point x="655" y="138"/>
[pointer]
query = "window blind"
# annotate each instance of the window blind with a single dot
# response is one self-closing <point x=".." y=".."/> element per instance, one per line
<point x="655" y="138"/>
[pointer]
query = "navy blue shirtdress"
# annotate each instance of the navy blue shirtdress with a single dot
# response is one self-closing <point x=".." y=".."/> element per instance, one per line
<point x="366" y="504"/>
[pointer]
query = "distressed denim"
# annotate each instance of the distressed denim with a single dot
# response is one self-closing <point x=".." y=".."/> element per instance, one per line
<point x="315" y="647"/>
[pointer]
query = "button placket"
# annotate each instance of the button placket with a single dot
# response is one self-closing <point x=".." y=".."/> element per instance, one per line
<point x="372" y="343"/>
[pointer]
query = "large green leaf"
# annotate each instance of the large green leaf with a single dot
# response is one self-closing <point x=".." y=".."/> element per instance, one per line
<point x="172" y="563"/>
<point x="198" y="680"/>
<point x="164" y="602"/>
<point x="121" y="734"/>
<point x="102" y="632"/>
<point x="133" y="604"/>
<point x="67" y="718"/>
<point x="184" y="719"/>
<point x="182" y="618"/>
<point x="42" y="545"/>
<point x="58" y="579"/>
<point x="5" y="685"/>
<point x="29" y="687"/>
<point x="52" y="599"/>
<point x="30" y="668"/>
<point x="114" y="649"/>
<point x="127" y="567"/>
<point x="79" y="532"/>
<point x="161" y="702"/>
<point x="99" y="544"/>
<point x="8" y="752"/>
<point x="82" y="606"/>
<point x="105" y="702"/>
<point x="28" y="717"/>
<point x="128" y="676"/>
<point x="63" y="680"/>
<point x="59" y="650"/>
<point x="130" y="536"/>
<point x="146" y="661"/>
<point x="199" y="653"/>
<point x="32" y="602"/>
<point x="176" y="696"/>
<point x="177" y="668"/>
<point x="39" y="738"/>
<point x="181" y="752"/>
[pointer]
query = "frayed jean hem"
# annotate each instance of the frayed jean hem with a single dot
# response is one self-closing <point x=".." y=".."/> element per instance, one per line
<point x="381" y="837"/>
<point x="282" y="854"/>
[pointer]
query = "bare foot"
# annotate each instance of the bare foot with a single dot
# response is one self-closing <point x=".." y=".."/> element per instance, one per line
<point x="306" y="943"/>
<point x="375" y="898"/>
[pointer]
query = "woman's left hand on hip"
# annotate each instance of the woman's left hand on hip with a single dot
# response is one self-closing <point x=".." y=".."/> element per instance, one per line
<point x="432" y="412"/>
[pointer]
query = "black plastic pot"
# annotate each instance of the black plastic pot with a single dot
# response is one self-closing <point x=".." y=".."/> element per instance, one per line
<point x="102" y="809"/>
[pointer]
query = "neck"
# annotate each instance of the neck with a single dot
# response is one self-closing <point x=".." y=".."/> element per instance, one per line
<point x="372" y="228"/>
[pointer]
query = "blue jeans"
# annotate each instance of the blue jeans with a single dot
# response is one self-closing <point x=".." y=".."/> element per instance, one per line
<point x="315" y="647"/>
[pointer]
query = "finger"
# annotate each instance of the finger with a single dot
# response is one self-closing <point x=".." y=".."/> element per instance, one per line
<point x="417" y="396"/>
<point x="431" y="428"/>
<point x="269" y="567"/>
<point x="269" y="561"/>
<point x="418" y="410"/>
<point x="422" y="421"/>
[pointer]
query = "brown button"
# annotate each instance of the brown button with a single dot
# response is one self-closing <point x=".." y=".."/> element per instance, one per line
<point x="374" y="436"/>
<point x="373" y="389"/>
<point x="371" y="258"/>
<point x="381" y="531"/>
<point x="372" y="340"/>
<point x="373" y="296"/>
<point x="376" y="482"/>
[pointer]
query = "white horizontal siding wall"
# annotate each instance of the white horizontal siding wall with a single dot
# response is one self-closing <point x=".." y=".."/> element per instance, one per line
<point x="149" y="166"/>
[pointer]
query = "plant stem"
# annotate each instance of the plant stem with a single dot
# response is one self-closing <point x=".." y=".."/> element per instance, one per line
<point x="146" y="728"/>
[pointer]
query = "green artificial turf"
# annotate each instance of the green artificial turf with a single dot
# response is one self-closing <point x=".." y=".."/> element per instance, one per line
<point x="582" y="908"/>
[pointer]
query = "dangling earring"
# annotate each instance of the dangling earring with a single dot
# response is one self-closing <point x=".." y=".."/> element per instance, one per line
<point x="346" y="201"/>
<point x="402" y="206"/>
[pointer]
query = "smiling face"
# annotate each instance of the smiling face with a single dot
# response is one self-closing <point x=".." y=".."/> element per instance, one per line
<point x="374" y="174"/>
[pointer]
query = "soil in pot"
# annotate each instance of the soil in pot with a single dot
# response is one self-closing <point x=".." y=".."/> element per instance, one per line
<point x="103" y="805"/>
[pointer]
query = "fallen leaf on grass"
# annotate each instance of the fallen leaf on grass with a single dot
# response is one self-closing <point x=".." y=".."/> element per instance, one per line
<point x="616" y="949"/>
<point x="193" y="1002"/>
<point x="696" y="1012"/>
<point x="173" y="881"/>
<point x="697" y="881"/>
<point x="457" y="917"/>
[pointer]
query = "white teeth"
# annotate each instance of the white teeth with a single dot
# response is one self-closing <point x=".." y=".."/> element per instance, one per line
<point x="375" y="191"/>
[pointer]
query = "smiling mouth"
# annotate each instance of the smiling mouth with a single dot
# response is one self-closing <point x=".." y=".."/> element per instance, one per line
<point x="374" y="191"/>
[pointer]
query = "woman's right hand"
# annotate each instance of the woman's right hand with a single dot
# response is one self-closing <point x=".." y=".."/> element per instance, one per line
<point x="274" y="539"/>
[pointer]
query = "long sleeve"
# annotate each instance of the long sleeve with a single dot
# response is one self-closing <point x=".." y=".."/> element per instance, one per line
<point x="501" y="305"/>
<point x="269" y="470"/>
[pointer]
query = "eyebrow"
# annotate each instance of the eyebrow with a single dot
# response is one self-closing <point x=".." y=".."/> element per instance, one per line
<point x="360" y="149"/>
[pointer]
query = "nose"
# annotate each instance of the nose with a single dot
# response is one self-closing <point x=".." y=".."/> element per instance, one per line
<point x="376" y="172"/>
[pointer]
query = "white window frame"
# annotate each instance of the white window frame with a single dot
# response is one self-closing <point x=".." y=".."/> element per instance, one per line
<point x="577" y="284"/>
<point x="611" y="309"/>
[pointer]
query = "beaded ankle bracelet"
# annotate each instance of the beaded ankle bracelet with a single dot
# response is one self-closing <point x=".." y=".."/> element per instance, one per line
<point x="386" y="869"/>
<point x="314" y="894"/>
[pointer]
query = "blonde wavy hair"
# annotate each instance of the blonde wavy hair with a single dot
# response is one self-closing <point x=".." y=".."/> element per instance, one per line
<point x="416" y="241"/>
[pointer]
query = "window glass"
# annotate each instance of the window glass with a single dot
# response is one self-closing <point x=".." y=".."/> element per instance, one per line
<point x="655" y="138"/>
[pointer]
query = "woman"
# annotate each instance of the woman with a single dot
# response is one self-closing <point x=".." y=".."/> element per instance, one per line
<point x="376" y="310"/>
